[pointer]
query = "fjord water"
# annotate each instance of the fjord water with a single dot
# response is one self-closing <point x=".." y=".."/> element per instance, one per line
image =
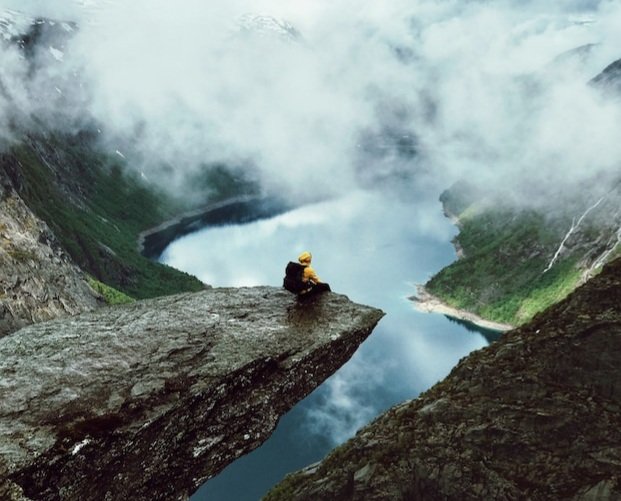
<point x="373" y="248"/>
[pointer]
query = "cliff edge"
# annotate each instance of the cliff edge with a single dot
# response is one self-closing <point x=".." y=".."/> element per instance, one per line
<point x="149" y="400"/>
<point x="537" y="415"/>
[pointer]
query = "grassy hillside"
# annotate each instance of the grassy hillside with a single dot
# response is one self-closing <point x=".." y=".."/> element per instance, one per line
<point x="111" y="296"/>
<point x="502" y="276"/>
<point x="97" y="210"/>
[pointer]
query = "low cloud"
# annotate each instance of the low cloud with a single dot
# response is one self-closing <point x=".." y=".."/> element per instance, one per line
<point x="424" y="92"/>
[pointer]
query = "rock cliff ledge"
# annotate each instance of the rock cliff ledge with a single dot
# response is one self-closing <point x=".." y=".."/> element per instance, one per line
<point x="535" y="416"/>
<point x="148" y="400"/>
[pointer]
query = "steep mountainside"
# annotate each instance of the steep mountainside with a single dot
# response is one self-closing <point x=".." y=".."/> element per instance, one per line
<point x="38" y="280"/>
<point x="97" y="208"/>
<point x="536" y="415"/>
<point x="148" y="400"/>
<point x="514" y="263"/>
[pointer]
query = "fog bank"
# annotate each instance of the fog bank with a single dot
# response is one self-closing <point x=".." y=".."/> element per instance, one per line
<point x="317" y="97"/>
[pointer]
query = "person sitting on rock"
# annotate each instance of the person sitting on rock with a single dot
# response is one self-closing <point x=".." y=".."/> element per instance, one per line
<point x="310" y="277"/>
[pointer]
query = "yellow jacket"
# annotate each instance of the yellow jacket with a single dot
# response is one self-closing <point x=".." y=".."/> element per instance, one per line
<point x="310" y="275"/>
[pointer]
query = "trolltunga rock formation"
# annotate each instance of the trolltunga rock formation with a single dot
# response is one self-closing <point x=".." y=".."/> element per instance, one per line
<point x="536" y="415"/>
<point x="148" y="400"/>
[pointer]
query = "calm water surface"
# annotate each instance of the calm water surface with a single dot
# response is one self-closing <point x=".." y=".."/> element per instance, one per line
<point x="373" y="248"/>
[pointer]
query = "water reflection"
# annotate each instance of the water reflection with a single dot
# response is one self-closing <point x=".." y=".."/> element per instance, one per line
<point x="490" y="334"/>
<point x="371" y="247"/>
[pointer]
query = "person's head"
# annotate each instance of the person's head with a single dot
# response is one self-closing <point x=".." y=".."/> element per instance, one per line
<point x="305" y="258"/>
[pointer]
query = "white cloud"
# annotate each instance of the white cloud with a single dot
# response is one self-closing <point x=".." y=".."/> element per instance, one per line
<point x="345" y="406"/>
<point x="180" y="84"/>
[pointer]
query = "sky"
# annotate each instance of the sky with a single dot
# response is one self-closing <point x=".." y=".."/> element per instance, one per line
<point x="475" y="88"/>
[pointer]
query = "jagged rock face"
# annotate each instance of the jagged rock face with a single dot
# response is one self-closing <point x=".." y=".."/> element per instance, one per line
<point x="148" y="400"/>
<point x="38" y="281"/>
<point x="535" y="416"/>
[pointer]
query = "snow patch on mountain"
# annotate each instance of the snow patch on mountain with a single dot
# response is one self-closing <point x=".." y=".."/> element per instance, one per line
<point x="14" y="23"/>
<point x="57" y="54"/>
<point x="267" y="26"/>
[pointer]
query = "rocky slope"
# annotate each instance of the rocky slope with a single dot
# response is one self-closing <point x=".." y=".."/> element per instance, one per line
<point x="38" y="281"/>
<point x="536" y="415"/>
<point x="148" y="400"/>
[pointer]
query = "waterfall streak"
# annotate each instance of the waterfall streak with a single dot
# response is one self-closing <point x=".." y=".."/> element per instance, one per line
<point x="574" y="226"/>
<point x="602" y="259"/>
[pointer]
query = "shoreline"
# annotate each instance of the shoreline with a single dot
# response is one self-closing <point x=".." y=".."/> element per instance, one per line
<point x="426" y="302"/>
<point x="190" y="215"/>
<point x="235" y="210"/>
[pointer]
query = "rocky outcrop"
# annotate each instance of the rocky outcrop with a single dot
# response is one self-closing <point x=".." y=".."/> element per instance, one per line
<point x="148" y="400"/>
<point x="38" y="281"/>
<point x="536" y="415"/>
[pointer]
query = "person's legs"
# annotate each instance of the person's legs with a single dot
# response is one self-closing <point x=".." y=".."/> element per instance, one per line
<point x="321" y="287"/>
<point x="314" y="290"/>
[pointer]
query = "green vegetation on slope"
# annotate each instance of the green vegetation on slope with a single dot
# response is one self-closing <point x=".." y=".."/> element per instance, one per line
<point x="97" y="211"/>
<point x="110" y="295"/>
<point x="501" y="277"/>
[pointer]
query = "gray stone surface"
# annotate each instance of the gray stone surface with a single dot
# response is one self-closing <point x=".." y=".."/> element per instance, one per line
<point x="536" y="416"/>
<point x="148" y="400"/>
<point x="38" y="281"/>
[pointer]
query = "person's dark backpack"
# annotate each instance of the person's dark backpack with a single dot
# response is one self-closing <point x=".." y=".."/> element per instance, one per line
<point x="293" y="281"/>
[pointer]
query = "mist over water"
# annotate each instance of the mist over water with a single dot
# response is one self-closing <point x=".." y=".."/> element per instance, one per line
<point x="371" y="246"/>
<point x="345" y="235"/>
